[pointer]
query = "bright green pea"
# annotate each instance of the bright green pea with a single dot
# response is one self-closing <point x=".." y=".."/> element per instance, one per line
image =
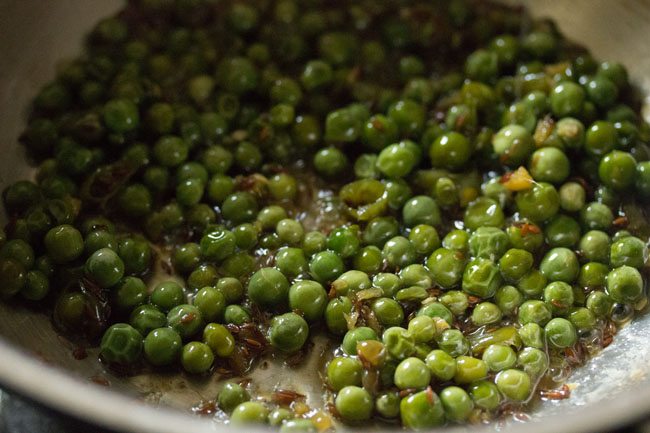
<point x="514" y="384"/>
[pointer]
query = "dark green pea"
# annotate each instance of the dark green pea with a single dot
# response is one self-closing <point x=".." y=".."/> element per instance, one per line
<point x="270" y="216"/>
<point x="330" y="161"/>
<point x="446" y="267"/>
<point x="515" y="264"/>
<point x="599" y="303"/>
<point x="219" y="188"/>
<point x="217" y="245"/>
<point x="235" y="314"/>
<point x="21" y="195"/>
<point x="513" y="144"/>
<point x="121" y="115"/>
<point x="600" y="138"/>
<point x="343" y="241"/>
<point x="167" y="295"/>
<point x="532" y="284"/>
<point x="135" y="201"/>
<point x="388" y="312"/>
<point x="239" y="207"/>
<point x="63" y="243"/>
<point x="186" y="257"/>
<point x="104" y="267"/>
<point x="617" y="170"/>
<point x="549" y="164"/>
<point x="170" y="151"/>
<point x="98" y="239"/>
<point x="288" y="332"/>
<point x="481" y="278"/>
<point x="424" y="239"/>
<point x="238" y="74"/>
<point x="560" y="333"/>
<point x="567" y="99"/>
<point x="483" y="212"/>
<point x="232" y="395"/>
<point x="378" y="132"/>
<point x="582" y="318"/>
<point x="379" y="230"/>
<point x="562" y="231"/>
<point x="121" y="344"/>
<point x="399" y="159"/>
<point x="602" y="91"/>
<point x="593" y="275"/>
<point x="368" y="260"/>
<point x="397" y="193"/>
<point x="422" y="411"/>
<point x="456" y="240"/>
<point x="625" y="284"/>
<point x="560" y="264"/>
<point x="408" y="115"/>
<point x="451" y="150"/>
<point x="162" y="346"/>
<point x="629" y="251"/>
<point x="268" y="287"/>
<point x="596" y="216"/>
<point x="129" y="293"/>
<point x="196" y="358"/>
<point x="482" y="65"/>
<point x="539" y="203"/>
<point x="325" y="266"/>
<point x="642" y="179"/>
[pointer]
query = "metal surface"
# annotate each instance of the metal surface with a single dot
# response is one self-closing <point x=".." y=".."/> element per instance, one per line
<point x="35" y="35"/>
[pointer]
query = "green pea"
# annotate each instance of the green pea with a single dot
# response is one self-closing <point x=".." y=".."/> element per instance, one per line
<point x="600" y="138"/>
<point x="368" y="260"/>
<point x="399" y="159"/>
<point x="129" y="293"/>
<point x="421" y="210"/>
<point x="560" y="333"/>
<point x="457" y="403"/>
<point x="441" y="364"/>
<point x="249" y="412"/>
<point x="629" y="251"/>
<point x="582" y="318"/>
<point x="335" y="314"/>
<point x="446" y="267"/>
<point x="485" y="395"/>
<point x="534" y="311"/>
<point x="483" y="212"/>
<point x="453" y="342"/>
<point x="63" y="244"/>
<point x="308" y="297"/>
<point x="469" y="369"/>
<point x="398" y="342"/>
<point x="211" y="303"/>
<point x="539" y="203"/>
<point x="268" y="287"/>
<point x="105" y="267"/>
<point x="572" y="196"/>
<point x="481" y="278"/>
<point x="559" y="297"/>
<point x="291" y="261"/>
<point x="549" y="164"/>
<point x="422" y="410"/>
<point x="232" y="395"/>
<point x="185" y="319"/>
<point x="515" y="264"/>
<point x="121" y="344"/>
<point x="567" y="99"/>
<point x="326" y="266"/>
<point x="167" y="295"/>
<point x="596" y="216"/>
<point x="486" y="313"/>
<point x="456" y="301"/>
<point x="37" y="285"/>
<point x="451" y="150"/>
<point x="514" y="384"/>
<point x="617" y="170"/>
<point x="513" y="144"/>
<point x="594" y="246"/>
<point x="388" y="312"/>
<point x="625" y="284"/>
<point x="387" y="404"/>
<point x="560" y="264"/>
<point x="162" y="346"/>
<point x="532" y="335"/>
<point x="237" y="315"/>
<point x="343" y="241"/>
<point x="354" y="403"/>
<point x="398" y="252"/>
<point x="288" y="332"/>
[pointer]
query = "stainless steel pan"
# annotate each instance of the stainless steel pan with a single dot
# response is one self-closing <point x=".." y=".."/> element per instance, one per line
<point x="612" y="389"/>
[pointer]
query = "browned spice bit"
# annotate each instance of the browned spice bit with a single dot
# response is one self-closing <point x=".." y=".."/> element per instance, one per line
<point x="100" y="380"/>
<point x="79" y="353"/>
<point x="205" y="407"/>
<point x="285" y="397"/>
<point x="377" y="125"/>
<point x="557" y="303"/>
<point x="430" y="395"/>
<point x="332" y="292"/>
<point x="406" y="392"/>
<point x="254" y="343"/>
<point x="621" y="222"/>
<point x="527" y="228"/>
<point x="561" y="393"/>
<point x="187" y="318"/>
<point x="473" y="300"/>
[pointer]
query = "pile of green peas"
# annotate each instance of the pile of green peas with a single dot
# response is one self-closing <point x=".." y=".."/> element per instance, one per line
<point x="486" y="189"/>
